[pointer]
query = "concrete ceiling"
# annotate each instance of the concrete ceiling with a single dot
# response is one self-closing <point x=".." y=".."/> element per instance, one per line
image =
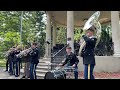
<point x="80" y="17"/>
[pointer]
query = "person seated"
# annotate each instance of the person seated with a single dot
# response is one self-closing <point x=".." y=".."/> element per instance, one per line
<point x="71" y="60"/>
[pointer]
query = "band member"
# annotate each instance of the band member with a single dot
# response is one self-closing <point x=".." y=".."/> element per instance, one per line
<point x="14" y="59"/>
<point x="88" y="53"/>
<point x="7" y="59"/>
<point x="26" y="60"/>
<point x="11" y="58"/>
<point x="17" y="61"/>
<point x="7" y="64"/>
<point x="71" y="60"/>
<point x="34" y="60"/>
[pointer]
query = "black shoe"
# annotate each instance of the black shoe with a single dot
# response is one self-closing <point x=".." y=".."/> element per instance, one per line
<point x="16" y="75"/>
<point x="23" y="77"/>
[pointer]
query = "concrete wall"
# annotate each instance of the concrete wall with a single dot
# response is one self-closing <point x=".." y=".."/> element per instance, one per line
<point x="104" y="64"/>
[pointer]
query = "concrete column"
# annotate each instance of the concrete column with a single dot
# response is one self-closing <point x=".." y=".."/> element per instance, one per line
<point x="48" y="36"/>
<point x="54" y="34"/>
<point x="115" y="32"/>
<point x="70" y="29"/>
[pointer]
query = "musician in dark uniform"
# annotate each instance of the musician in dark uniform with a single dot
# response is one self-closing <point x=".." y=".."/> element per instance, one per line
<point x="71" y="60"/>
<point x="34" y="60"/>
<point x="88" y="53"/>
<point x="10" y="61"/>
<point x="17" y="61"/>
<point x="7" y="60"/>
<point x="13" y="60"/>
<point x="7" y="64"/>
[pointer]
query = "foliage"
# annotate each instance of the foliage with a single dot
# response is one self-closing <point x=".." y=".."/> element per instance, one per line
<point x="61" y="35"/>
<point x="2" y="62"/>
<point x="10" y="29"/>
<point x="34" y="30"/>
<point x="77" y="34"/>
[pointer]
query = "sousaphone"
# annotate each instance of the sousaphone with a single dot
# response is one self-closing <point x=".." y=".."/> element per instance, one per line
<point x="92" y="21"/>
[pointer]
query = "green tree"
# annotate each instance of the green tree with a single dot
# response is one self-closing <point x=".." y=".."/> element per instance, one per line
<point x="61" y="35"/>
<point x="33" y="28"/>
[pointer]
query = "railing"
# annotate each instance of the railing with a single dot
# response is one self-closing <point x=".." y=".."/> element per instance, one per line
<point x="58" y="57"/>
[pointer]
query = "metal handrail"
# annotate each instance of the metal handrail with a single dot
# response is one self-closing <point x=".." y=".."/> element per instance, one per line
<point x="60" y="51"/>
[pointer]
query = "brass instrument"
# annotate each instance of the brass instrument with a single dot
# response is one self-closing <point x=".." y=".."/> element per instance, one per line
<point x="8" y="52"/>
<point x="92" y="21"/>
<point x="24" y="53"/>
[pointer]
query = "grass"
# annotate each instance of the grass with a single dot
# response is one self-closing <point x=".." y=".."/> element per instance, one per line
<point x="2" y="62"/>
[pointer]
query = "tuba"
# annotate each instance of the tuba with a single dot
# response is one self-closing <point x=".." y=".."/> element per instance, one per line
<point x="92" y="21"/>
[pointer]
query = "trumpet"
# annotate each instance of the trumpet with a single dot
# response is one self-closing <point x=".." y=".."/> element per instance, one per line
<point x="24" y="53"/>
<point x="8" y="52"/>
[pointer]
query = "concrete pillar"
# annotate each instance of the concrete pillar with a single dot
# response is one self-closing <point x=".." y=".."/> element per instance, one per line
<point x="115" y="32"/>
<point x="54" y="34"/>
<point x="70" y="29"/>
<point x="48" y="36"/>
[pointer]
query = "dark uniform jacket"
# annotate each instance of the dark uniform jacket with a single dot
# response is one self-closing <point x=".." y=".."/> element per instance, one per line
<point x="15" y="57"/>
<point x="88" y="51"/>
<point x="11" y="56"/>
<point x="34" y="56"/>
<point x="71" y="59"/>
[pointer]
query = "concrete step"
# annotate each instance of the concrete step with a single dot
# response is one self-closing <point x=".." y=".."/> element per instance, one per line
<point x="43" y="64"/>
<point x="40" y="76"/>
<point x="46" y="64"/>
<point x="42" y="61"/>
<point x="43" y="67"/>
<point x="45" y="59"/>
<point x="41" y="71"/>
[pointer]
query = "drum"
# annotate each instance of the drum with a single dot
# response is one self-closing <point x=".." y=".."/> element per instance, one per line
<point x="55" y="74"/>
<point x="69" y="69"/>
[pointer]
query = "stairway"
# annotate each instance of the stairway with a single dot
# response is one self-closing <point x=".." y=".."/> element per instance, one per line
<point x="42" y="68"/>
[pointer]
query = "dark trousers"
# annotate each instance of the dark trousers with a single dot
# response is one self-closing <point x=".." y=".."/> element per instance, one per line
<point x="10" y="67"/>
<point x="17" y="68"/>
<point x="33" y="71"/>
<point x="7" y="62"/>
<point x="88" y="71"/>
<point x="13" y="67"/>
<point x="76" y="73"/>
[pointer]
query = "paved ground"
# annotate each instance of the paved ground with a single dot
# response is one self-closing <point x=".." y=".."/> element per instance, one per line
<point x="5" y="75"/>
<point x="102" y="75"/>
